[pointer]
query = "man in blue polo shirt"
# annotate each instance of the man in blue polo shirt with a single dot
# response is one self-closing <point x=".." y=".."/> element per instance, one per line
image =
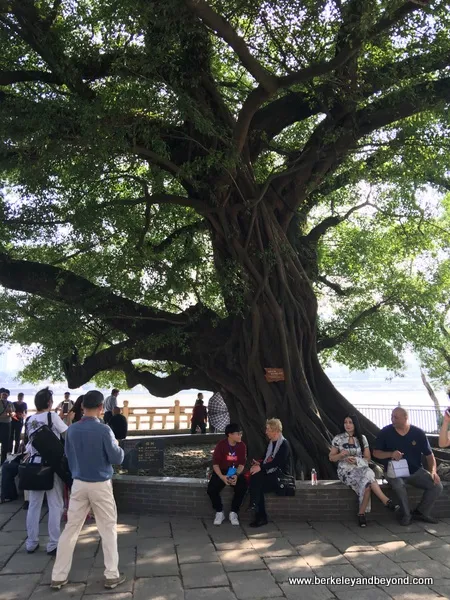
<point x="402" y="440"/>
<point x="91" y="451"/>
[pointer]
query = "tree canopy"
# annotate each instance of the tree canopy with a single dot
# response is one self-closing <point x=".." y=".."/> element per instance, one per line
<point x="184" y="180"/>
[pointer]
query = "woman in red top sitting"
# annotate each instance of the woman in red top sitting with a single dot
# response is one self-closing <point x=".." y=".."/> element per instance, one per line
<point x="228" y="463"/>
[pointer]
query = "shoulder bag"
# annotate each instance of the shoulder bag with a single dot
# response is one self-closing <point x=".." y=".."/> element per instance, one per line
<point x="36" y="476"/>
<point x="398" y="468"/>
<point x="286" y="484"/>
<point x="51" y="448"/>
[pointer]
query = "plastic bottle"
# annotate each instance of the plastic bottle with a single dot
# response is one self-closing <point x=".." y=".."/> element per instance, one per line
<point x="313" y="477"/>
<point x="207" y="475"/>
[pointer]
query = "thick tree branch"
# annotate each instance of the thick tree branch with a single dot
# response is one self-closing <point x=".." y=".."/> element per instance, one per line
<point x="332" y="141"/>
<point x="181" y="379"/>
<point x="185" y="231"/>
<point x="63" y="286"/>
<point x="78" y="374"/>
<point x="10" y="77"/>
<point x="402" y="104"/>
<point x="332" y="341"/>
<point x="282" y="112"/>
<point x="319" y="230"/>
<point x="340" y="291"/>
<point x="153" y="199"/>
<point x="351" y="49"/>
<point x="224" y="30"/>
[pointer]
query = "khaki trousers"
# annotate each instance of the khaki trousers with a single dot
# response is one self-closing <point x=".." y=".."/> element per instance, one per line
<point x="99" y="496"/>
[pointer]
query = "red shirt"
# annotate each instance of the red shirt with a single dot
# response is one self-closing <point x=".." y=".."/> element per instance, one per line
<point x="199" y="413"/>
<point x="226" y="455"/>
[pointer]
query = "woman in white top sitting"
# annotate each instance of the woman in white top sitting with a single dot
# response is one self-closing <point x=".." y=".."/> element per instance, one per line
<point x="43" y="402"/>
<point x="350" y="450"/>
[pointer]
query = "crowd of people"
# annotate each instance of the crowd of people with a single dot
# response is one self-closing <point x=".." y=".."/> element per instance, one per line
<point x="80" y="451"/>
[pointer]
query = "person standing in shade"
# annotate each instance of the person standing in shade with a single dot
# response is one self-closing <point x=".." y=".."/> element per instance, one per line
<point x="77" y="410"/>
<point x="230" y="454"/>
<point x="110" y="405"/>
<point x="6" y="410"/>
<point x="402" y="440"/>
<point x="64" y="408"/>
<point x="118" y="424"/>
<point x="20" y="411"/>
<point x="199" y="415"/>
<point x="55" y="500"/>
<point x="91" y="451"/>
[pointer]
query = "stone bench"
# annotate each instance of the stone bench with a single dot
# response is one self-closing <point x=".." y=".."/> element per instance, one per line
<point x="328" y="501"/>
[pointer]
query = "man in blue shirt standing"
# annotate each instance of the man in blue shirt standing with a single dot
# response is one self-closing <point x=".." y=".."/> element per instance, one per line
<point x="91" y="450"/>
<point x="402" y="440"/>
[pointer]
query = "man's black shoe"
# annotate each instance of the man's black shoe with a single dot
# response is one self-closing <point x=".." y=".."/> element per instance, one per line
<point x="405" y="520"/>
<point x="259" y="522"/>
<point x="418" y="516"/>
<point x="251" y="506"/>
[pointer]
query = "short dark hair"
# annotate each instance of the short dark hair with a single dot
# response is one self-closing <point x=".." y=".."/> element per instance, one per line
<point x="20" y="394"/>
<point x="232" y="428"/>
<point x="114" y="391"/>
<point x="66" y="393"/>
<point x="6" y="391"/>
<point x="93" y="399"/>
<point x="43" y="399"/>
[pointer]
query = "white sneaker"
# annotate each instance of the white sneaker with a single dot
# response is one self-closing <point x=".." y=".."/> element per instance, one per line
<point x="234" y="519"/>
<point x="220" y="518"/>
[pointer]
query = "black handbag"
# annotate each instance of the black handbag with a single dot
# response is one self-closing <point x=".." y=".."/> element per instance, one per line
<point x="35" y="476"/>
<point x="286" y="484"/>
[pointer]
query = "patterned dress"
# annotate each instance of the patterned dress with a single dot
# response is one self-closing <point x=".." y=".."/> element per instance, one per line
<point x="357" y="476"/>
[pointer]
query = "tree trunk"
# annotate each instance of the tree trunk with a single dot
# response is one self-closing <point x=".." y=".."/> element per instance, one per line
<point x="279" y="331"/>
<point x="434" y="399"/>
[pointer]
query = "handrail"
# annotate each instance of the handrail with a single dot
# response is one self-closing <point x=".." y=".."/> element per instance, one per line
<point x="178" y="418"/>
<point x="175" y="417"/>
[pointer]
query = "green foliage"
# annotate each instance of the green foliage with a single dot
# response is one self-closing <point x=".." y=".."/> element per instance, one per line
<point x="131" y="101"/>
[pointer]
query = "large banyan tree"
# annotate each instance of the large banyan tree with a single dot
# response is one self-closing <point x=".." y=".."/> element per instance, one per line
<point x="185" y="180"/>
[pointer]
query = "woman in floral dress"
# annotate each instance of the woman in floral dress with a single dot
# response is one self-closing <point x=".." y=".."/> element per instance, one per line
<point x="350" y="450"/>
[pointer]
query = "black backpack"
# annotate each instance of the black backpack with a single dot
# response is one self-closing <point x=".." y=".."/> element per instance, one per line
<point x="51" y="449"/>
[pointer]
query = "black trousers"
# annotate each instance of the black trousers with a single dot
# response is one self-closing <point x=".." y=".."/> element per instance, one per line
<point x="260" y="483"/>
<point x="107" y="416"/>
<point x="5" y="429"/>
<point x="9" y="472"/>
<point x="14" y="438"/>
<point x="195" y="424"/>
<point x="216" y="485"/>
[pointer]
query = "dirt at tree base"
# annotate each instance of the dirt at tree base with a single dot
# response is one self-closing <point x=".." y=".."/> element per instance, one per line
<point x="186" y="461"/>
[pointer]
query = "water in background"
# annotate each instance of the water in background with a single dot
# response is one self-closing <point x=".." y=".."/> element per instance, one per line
<point x="376" y="391"/>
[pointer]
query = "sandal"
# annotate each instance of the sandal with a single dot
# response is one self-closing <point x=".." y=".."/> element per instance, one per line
<point x="362" y="521"/>
<point x="391" y="506"/>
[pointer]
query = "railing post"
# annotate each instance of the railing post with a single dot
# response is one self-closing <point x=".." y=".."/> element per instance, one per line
<point x="176" y="415"/>
<point x="125" y="409"/>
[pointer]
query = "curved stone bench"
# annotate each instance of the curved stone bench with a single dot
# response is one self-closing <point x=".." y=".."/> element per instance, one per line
<point x="328" y="501"/>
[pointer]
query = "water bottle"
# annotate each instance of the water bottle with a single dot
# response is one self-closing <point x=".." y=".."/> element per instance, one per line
<point x="313" y="477"/>
<point x="207" y="475"/>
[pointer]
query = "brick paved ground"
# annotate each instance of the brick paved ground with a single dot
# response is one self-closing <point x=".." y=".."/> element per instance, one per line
<point x="188" y="559"/>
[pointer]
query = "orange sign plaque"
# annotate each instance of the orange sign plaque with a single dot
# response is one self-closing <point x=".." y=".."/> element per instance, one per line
<point x="273" y="375"/>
